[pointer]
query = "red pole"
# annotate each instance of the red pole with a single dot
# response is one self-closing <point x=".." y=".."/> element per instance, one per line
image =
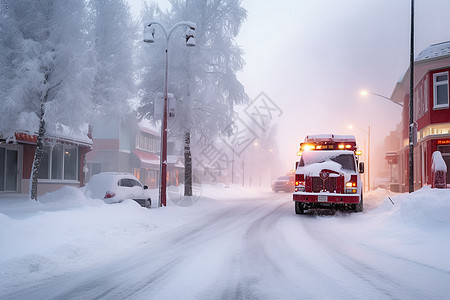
<point x="164" y="134"/>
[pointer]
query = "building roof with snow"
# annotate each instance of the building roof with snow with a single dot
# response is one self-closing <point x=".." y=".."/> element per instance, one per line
<point x="434" y="51"/>
<point x="433" y="57"/>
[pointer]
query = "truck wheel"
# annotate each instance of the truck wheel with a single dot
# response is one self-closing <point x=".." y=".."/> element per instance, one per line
<point x="299" y="209"/>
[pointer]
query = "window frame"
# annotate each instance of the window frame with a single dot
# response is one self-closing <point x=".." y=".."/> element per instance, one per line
<point x="50" y="164"/>
<point x="436" y="84"/>
<point x="16" y="164"/>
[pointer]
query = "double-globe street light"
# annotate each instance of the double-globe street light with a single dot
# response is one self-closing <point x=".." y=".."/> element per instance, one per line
<point x="149" y="37"/>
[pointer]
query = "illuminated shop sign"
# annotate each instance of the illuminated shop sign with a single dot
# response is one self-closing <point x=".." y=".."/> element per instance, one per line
<point x="443" y="142"/>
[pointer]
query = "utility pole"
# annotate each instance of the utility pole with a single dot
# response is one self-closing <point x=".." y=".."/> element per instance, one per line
<point x="411" y="104"/>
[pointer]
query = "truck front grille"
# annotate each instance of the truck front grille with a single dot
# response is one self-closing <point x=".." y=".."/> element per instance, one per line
<point x="328" y="185"/>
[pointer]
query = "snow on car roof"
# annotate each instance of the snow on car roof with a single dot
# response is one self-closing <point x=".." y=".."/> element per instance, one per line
<point x="102" y="182"/>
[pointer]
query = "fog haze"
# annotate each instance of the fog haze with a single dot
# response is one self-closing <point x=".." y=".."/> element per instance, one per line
<point x="314" y="57"/>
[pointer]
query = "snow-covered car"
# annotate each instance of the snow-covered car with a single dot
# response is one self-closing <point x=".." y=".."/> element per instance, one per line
<point x="114" y="187"/>
<point x="283" y="183"/>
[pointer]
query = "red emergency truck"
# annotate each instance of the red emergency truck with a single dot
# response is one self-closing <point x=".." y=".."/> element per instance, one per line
<point x="328" y="174"/>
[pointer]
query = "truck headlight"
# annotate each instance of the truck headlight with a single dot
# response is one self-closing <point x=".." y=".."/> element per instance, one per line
<point x="350" y="191"/>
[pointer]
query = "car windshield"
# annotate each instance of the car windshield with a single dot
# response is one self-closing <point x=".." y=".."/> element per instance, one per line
<point x="346" y="160"/>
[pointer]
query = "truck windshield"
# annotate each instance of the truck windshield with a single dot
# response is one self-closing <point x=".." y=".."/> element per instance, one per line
<point x="345" y="160"/>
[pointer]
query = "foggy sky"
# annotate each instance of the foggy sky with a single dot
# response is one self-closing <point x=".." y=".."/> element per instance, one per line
<point x="314" y="57"/>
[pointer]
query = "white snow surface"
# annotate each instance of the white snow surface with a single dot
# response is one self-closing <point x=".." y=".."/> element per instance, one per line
<point x="233" y="243"/>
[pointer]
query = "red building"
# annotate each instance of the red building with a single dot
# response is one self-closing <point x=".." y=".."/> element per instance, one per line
<point x="62" y="162"/>
<point x="431" y="115"/>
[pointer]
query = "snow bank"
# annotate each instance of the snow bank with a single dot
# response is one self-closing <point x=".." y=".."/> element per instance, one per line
<point x="414" y="227"/>
<point x="67" y="197"/>
<point x="65" y="231"/>
<point x="425" y="207"/>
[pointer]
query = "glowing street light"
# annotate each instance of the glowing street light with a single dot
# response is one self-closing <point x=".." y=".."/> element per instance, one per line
<point x="366" y="93"/>
<point x="149" y="37"/>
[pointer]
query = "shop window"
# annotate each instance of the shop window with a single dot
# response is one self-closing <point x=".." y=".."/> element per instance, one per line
<point x="70" y="163"/>
<point x="445" y="151"/>
<point x="137" y="173"/>
<point x="59" y="162"/>
<point x="147" y="143"/>
<point x="11" y="170"/>
<point x="8" y="169"/>
<point x="440" y="90"/>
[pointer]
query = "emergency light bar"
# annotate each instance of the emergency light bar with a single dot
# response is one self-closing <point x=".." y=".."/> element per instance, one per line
<point x="328" y="142"/>
<point x="327" y="146"/>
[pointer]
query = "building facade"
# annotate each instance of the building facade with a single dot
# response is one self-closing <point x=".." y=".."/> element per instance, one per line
<point x="431" y="116"/>
<point x="128" y="146"/>
<point x="145" y="156"/>
<point x="62" y="162"/>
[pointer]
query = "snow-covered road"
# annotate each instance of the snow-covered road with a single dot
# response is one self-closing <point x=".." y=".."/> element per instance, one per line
<point x="257" y="248"/>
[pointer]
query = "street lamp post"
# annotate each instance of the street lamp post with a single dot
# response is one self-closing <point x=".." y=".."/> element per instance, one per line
<point x="149" y="37"/>
<point x="368" y="152"/>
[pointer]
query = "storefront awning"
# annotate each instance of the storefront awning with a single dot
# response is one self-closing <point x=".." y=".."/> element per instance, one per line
<point x="147" y="159"/>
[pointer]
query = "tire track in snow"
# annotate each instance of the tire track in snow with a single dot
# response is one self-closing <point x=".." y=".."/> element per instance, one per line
<point x="271" y="268"/>
<point x="381" y="273"/>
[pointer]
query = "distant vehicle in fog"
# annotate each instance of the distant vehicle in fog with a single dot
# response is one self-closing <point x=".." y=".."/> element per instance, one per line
<point x="283" y="184"/>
